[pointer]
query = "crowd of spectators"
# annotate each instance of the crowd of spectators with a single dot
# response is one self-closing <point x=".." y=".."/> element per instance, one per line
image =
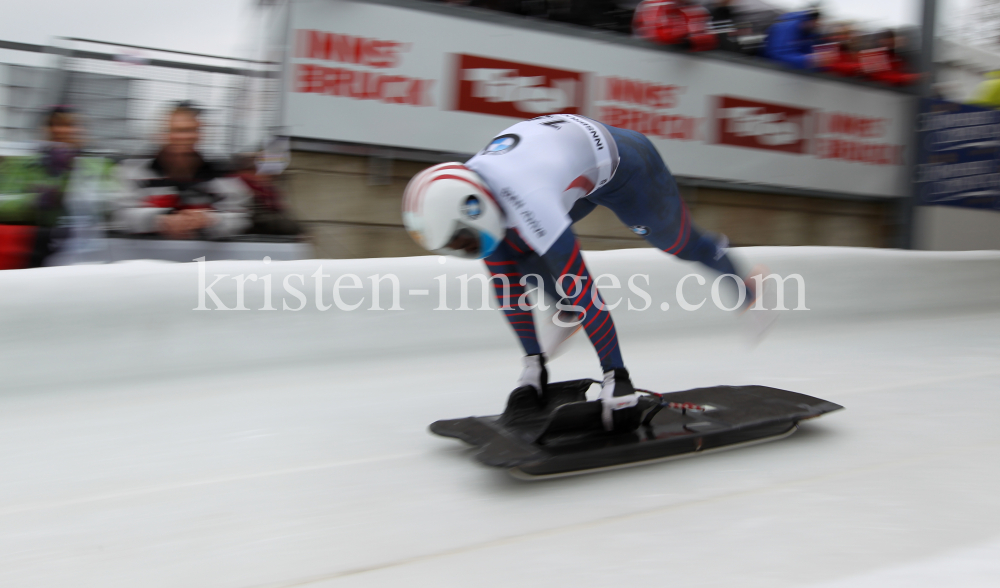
<point x="35" y="191"/>
<point x="800" y="40"/>
<point x="50" y="197"/>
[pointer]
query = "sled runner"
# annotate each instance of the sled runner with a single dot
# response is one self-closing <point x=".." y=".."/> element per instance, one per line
<point x="561" y="434"/>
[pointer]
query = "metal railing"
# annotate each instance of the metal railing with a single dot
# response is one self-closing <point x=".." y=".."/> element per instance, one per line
<point x="122" y="91"/>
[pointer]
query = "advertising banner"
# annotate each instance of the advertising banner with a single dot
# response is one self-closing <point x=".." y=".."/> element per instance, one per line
<point x="959" y="157"/>
<point x="384" y="75"/>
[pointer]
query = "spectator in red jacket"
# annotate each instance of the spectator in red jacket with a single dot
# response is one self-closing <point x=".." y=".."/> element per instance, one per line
<point x="674" y="22"/>
<point x="841" y="49"/>
<point x="883" y="63"/>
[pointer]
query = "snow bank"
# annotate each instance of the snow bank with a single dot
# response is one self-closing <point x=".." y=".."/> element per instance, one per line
<point x="141" y="319"/>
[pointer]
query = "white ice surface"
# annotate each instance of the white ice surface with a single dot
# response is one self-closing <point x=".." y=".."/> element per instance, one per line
<point x="146" y="444"/>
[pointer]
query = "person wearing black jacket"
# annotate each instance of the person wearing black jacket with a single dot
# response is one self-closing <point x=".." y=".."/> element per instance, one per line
<point x="179" y="194"/>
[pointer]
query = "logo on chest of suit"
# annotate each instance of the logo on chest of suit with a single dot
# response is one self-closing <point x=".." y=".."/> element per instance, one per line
<point x="502" y="144"/>
<point x="640" y="230"/>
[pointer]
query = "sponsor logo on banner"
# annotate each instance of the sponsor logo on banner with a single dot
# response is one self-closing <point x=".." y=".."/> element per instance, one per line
<point x="354" y="67"/>
<point x="646" y="107"/>
<point x="508" y="88"/>
<point x="852" y="137"/>
<point x="761" y="125"/>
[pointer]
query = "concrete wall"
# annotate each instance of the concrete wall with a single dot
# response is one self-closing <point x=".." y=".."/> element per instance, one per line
<point x="353" y="211"/>
<point x="346" y="215"/>
<point x="948" y="228"/>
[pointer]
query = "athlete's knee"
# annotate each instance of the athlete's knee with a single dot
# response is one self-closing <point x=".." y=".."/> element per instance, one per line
<point x="703" y="247"/>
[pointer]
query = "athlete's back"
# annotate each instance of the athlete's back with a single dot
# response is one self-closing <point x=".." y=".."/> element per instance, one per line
<point x="537" y="170"/>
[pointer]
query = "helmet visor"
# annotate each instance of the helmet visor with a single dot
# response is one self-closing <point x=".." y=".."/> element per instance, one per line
<point x="465" y="243"/>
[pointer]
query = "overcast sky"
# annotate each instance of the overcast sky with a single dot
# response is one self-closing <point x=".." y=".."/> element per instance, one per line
<point x="221" y="27"/>
<point x="881" y="12"/>
<point x="200" y="26"/>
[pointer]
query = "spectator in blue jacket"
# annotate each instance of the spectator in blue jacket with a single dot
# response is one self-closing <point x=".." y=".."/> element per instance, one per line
<point x="790" y="40"/>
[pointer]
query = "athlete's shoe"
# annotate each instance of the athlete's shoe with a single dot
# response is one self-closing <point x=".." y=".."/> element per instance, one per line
<point x="534" y="373"/>
<point x="556" y="329"/>
<point x="759" y="319"/>
<point x="620" y="410"/>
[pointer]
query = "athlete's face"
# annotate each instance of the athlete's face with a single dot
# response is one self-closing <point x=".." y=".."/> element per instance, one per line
<point x="464" y="240"/>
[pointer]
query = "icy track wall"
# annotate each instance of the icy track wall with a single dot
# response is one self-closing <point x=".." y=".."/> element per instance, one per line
<point x="88" y="324"/>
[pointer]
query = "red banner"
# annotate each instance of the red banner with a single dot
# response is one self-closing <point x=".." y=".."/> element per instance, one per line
<point x="508" y="88"/>
<point x="760" y="125"/>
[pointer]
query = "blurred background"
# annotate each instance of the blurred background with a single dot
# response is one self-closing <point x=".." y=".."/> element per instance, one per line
<point x="289" y="129"/>
<point x="146" y="442"/>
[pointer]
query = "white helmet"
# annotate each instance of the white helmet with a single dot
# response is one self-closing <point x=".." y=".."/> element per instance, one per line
<point x="448" y="209"/>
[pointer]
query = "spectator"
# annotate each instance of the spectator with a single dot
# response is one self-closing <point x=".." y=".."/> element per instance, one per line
<point x="674" y="22"/>
<point x="700" y="37"/>
<point x="988" y="92"/>
<point x="841" y="47"/>
<point x="269" y="214"/>
<point x="178" y="194"/>
<point x="751" y="33"/>
<point x="722" y="13"/>
<point x="659" y="21"/>
<point x="883" y="63"/>
<point x="791" y="39"/>
<point x="41" y="191"/>
<point x="723" y="17"/>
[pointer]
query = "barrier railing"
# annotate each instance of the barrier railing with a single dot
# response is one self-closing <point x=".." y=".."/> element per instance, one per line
<point x="122" y="90"/>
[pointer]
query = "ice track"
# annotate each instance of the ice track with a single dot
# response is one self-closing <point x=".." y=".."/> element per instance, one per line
<point x="146" y="444"/>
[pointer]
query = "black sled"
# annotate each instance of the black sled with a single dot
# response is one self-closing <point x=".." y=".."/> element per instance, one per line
<point x="561" y="434"/>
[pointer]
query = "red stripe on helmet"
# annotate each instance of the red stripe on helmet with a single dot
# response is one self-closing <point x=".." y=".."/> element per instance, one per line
<point x="412" y="196"/>
<point x="424" y="181"/>
<point x="409" y="195"/>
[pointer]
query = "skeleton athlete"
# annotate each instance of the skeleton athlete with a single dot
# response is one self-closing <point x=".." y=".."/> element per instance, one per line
<point x="514" y="204"/>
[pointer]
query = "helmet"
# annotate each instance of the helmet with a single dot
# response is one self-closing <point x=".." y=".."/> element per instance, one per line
<point x="448" y="209"/>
